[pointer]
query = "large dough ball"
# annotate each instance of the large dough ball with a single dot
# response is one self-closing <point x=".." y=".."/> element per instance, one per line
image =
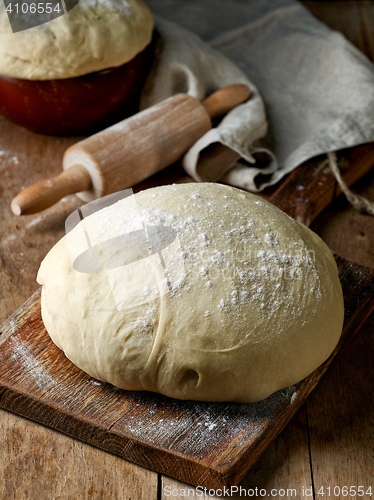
<point x="196" y="291"/>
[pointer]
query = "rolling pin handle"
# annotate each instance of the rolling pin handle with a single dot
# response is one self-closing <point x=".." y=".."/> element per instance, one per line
<point x="225" y="99"/>
<point x="46" y="193"/>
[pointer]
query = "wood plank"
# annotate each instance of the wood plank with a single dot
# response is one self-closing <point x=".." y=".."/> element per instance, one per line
<point x="346" y="231"/>
<point x="60" y="467"/>
<point x="342" y="440"/>
<point x="284" y="465"/>
<point x="340" y="410"/>
<point x="24" y="241"/>
<point x="342" y="444"/>
<point x="310" y="188"/>
<point x="210" y="444"/>
<point x="367" y="22"/>
<point x="343" y="16"/>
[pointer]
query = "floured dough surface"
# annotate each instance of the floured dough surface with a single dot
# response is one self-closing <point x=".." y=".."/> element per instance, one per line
<point x="94" y="35"/>
<point x="203" y="292"/>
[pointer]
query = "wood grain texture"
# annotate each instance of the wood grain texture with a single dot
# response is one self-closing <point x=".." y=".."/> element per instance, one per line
<point x="130" y="151"/>
<point x="353" y="18"/>
<point x="26" y="158"/>
<point x="283" y="464"/>
<point x="342" y="443"/>
<point x="208" y="444"/>
<point x="224" y="100"/>
<point x="312" y="187"/>
<point x="44" y="194"/>
<point x="340" y="413"/>
<point x="346" y="231"/>
<point x="61" y="468"/>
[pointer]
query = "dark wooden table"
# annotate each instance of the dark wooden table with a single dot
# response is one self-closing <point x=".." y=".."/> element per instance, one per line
<point x="328" y="444"/>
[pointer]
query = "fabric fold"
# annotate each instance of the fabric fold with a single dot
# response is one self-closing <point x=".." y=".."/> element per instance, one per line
<point x="184" y="63"/>
<point x="312" y="90"/>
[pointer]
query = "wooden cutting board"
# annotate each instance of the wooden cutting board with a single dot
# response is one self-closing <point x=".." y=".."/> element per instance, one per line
<point x="208" y="444"/>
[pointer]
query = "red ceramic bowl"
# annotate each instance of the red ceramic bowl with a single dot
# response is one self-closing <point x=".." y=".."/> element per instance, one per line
<point x="76" y="106"/>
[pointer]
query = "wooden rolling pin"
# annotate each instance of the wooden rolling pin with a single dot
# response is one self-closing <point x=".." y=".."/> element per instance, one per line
<point x="132" y="150"/>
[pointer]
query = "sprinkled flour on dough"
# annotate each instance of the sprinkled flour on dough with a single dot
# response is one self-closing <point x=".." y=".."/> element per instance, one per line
<point x="193" y="298"/>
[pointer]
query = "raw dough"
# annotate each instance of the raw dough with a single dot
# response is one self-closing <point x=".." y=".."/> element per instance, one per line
<point x="237" y="300"/>
<point x="94" y="35"/>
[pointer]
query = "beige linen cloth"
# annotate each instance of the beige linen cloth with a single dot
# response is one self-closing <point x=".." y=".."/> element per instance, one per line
<point x="312" y="91"/>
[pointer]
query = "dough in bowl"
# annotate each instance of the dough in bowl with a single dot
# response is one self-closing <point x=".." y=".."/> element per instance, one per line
<point x="196" y="291"/>
<point x="93" y="36"/>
